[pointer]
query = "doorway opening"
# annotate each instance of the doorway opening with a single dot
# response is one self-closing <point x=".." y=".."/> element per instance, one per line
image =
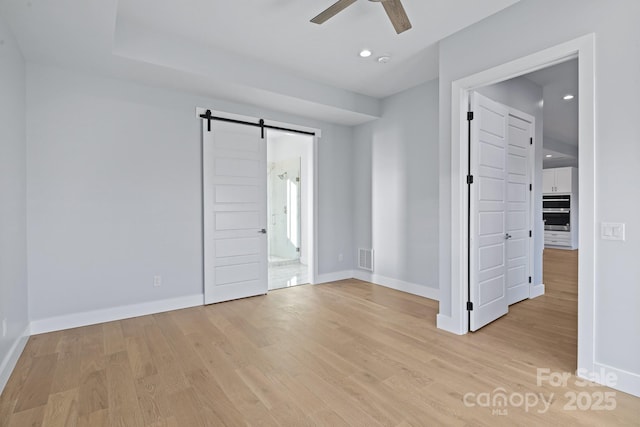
<point x="502" y="232"/>
<point x="289" y="192"/>
<point x="583" y="49"/>
<point x="560" y="190"/>
<point x="234" y="208"/>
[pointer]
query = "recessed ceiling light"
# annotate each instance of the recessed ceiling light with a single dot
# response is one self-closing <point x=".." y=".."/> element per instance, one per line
<point x="548" y="155"/>
<point x="365" y="53"/>
<point x="384" y="59"/>
<point x="567" y="97"/>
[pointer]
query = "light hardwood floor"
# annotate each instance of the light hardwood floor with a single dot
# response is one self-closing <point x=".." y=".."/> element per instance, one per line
<point x="345" y="353"/>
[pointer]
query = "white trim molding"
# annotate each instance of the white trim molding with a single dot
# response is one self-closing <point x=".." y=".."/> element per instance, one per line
<point x="333" y="277"/>
<point x="536" y="290"/>
<point x="449" y="324"/>
<point x="75" y="320"/>
<point x="625" y="381"/>
<point x="398" y="285"/>
<point x="10" y="360"/>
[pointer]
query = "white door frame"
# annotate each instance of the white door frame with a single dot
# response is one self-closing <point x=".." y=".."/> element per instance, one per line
<point x="313" y="173"/>
<point x="583" y="48"/>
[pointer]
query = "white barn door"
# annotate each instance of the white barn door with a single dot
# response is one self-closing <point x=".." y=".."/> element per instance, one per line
<point x="487" y="262"/>
<point x="235" y="212"/>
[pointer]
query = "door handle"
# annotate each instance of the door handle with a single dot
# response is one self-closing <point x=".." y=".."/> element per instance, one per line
<point x="507" y="236"/>
<point x="263" y="231"/>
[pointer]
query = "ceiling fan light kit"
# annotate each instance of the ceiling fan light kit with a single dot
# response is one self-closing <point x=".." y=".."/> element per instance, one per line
<point x="394" y="9"/>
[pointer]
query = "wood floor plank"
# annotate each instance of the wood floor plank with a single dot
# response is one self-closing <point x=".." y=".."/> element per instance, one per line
<point x="224" y="371"/>
<point x="36" y="388"/>
<point x="92" y="349"/>
<point x="6" y="409"/>
<point x="43" y="344"/>
<point x="153" y="400"/>
<point x="93" y="392"/>
<point x="67" y="375"/>
<point x="94" y="419"/>
<point x="186" y="407"/>
<point x="139" y="356"/>
<point x="345" y="353"/>
<point x="62" y="409"/>
<point x="27" y="418"/>
<point x="121" y="391"/>
<point x="113" y="338"/>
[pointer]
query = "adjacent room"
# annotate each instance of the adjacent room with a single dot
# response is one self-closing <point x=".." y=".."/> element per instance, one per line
<point x="352" y="212"/>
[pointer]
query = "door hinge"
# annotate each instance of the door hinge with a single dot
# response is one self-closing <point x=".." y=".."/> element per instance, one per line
<point x="529" y="279"/>
<point x="297" y="249"/>
<point x="530" y="187"/>
<point x="297" y="179"/>
<point x="470" y="115"/>
<point x="531" y="141"/>
<point x="469" y="306"/>
<point x="530" y="234"/>
<point x="469" y="179"/>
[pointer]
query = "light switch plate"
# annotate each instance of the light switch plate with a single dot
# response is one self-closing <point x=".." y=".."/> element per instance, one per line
<point x="612" y="231"/>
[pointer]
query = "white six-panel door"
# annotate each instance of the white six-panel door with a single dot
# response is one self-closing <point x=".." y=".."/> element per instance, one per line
<point x="518" y="207"/>
<point x="500" y="261"/>
<point x="235" y="212"/>
<point x="488" y="289"/>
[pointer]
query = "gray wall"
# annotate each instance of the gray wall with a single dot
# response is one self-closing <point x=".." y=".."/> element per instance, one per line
<point x="525" y="96"/>
<point x="114" y="191"/>
<point x="13" y="253"/>
<point x="396" y="186"/>
<point x="530" y="26"/>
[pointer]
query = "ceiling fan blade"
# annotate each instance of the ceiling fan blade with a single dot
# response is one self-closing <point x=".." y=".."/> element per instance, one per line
<point x="397" y="15"/>
<point x="332" y="10"/>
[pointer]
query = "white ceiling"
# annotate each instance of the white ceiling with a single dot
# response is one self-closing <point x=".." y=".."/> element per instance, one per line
<point x="279" y="32"/>
<point x="557" y="159"/>
<point x="560" y="117"/>
<point x="260" y="51"/>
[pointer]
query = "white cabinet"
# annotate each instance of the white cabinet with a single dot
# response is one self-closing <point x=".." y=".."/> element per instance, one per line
<point x="557" y="180"/>
<point x="563" y="180"/>
<point x="557" y="238"/>
<point x="548" y="180"/>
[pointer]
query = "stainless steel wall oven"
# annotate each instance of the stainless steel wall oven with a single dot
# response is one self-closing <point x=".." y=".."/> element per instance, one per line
<point x="556" y="212"/>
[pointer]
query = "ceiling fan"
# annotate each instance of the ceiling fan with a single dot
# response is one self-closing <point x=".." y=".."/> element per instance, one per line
<point x="394" y="10"/>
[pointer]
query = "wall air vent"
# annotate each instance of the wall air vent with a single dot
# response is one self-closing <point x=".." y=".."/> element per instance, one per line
<point x="365" y="259"/>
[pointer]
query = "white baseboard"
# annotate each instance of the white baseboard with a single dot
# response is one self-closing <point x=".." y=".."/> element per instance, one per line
<point x="75" y="320"/>
<point x="399" y="285"/>
<point x="333" y="277"/>
<point x="627" y="382"/>
<point x="447" y="323"/>
<point x="10" y="360"/>
<point x="536" y="290"/>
